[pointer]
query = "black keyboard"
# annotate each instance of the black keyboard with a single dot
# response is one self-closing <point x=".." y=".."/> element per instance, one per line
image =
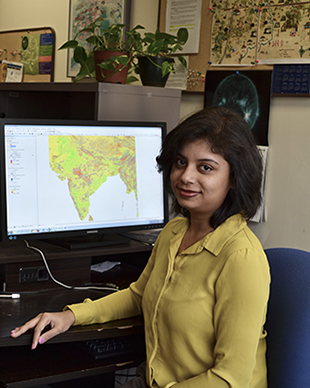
<point x="103" y="348"/>
<point x="147" y="237"/>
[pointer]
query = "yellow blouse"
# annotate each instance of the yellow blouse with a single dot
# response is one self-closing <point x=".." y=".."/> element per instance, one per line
<point x="203" y="309"/>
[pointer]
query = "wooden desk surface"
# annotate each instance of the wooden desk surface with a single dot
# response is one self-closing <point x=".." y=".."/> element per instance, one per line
<point x="60" y="359"/>
<point x="15" y="312"/>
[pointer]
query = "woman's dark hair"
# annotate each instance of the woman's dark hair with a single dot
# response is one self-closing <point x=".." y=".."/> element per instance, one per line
<point x="230" y="136"/>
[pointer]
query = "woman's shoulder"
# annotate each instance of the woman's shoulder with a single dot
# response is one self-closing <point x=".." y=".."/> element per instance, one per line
<point x="235" y="235"/>
<point x="176" y="224"/>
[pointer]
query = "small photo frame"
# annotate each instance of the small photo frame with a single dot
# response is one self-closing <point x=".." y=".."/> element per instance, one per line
<point x="84" y="12"/>
<point x="245" y="91"/>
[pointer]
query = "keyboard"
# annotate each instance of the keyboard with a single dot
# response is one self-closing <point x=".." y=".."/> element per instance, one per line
<point x="147" y="237"/>
<point x="103" y="348"/>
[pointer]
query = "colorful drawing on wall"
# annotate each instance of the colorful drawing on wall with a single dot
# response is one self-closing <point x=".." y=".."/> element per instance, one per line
<point x="229" y="4"/>
<point x="284" y="34"/>
<point x="234" y="37"/>
<point x="84" y="12"/>
<point x="246" y="92"/>
<point x="243" y="34"/>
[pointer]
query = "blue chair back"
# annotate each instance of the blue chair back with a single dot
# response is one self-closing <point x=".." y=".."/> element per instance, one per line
<point x="288" y="319"/>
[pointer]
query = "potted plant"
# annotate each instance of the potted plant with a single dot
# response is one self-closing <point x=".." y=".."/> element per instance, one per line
<point x="111" y="55"/>
<point x="155" y="56"/>
<point x="118" y="52"/>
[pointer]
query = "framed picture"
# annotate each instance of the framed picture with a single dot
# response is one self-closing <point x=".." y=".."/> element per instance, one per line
<point x="84" y="12"/>
<point x="247" y="92"/>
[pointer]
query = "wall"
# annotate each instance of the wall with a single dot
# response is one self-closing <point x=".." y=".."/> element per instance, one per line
<point x="288" y="183"/>
<point x="20" y="14"/>
<point x="17" y="14"/>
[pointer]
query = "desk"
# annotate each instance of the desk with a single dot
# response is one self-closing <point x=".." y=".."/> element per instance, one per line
<point x="59" y="359"/>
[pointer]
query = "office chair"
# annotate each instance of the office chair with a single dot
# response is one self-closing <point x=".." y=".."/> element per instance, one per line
<point x="288" y="319"/>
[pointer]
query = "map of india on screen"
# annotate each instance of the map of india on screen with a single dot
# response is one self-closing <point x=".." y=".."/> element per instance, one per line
<point x="86" y="162"/>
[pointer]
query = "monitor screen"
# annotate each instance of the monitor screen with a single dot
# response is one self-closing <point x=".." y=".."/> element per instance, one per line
<point x="73" y="178"/>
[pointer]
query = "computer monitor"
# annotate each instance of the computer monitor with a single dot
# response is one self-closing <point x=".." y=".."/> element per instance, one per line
<point x="70" y="179"/>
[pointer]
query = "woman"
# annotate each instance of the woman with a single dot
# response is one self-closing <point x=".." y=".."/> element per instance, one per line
<point x="204" y="291"/>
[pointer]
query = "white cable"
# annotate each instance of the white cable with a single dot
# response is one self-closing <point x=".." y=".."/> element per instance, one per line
<point x="60" y="283"/>
<point x="13" y="296"/>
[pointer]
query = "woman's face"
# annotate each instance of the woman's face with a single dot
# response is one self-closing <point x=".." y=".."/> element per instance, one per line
<point x="200" y="179"/>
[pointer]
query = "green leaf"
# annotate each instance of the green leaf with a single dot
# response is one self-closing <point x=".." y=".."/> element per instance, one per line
<point x="167" y="67"/>
<point x="183" y="61"/>
<point x="182" y="35"/>
<point x="149" y="37"/>
<point x="93" y="40"/>
<point x="155" y="47"/>
<point x="131" y="78"/>
<point x="137" y="69"/>
<point x="69" y="44"/>
<point x="122" y="60"/>
<point x="81" y="74"/>
<point x="90" y="64"/>
<point x="84" y="72"/>
<point x="80" y="54"/>
<point x="107" y="64"/>
<point x="88" y="29"/>
<point x="138" y="27"/>
<point x="163" y="35"/>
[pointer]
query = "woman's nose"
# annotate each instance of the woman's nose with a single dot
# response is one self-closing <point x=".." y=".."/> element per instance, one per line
<point x="188" y="175"/>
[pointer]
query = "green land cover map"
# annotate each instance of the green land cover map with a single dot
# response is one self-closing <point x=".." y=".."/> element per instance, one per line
<point x="87" y="161"/>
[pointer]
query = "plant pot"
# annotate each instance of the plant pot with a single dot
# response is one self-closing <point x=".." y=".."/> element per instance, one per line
<point x="151" y="74"/>
<point x="104" y="75"/>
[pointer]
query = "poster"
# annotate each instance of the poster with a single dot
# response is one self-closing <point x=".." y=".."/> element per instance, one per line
<point x="30" y="53"/>
<point x="37" y="53"/>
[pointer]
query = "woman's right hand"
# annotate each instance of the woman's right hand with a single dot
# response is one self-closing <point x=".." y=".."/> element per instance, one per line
<point x="59" y="323"/>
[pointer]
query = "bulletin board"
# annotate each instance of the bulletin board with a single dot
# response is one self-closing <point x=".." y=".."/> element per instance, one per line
<point x="35" y="48"/>
<point x="199" y="63"/>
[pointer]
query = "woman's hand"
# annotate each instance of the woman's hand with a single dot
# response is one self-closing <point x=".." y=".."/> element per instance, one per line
<point x="59" y="322"/>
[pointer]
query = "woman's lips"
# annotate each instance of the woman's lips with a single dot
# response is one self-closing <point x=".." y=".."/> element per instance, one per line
<point x="187" y="193"/>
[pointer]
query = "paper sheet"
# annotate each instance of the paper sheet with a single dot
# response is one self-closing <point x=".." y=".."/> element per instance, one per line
<point x="105" y="266"/>
<point x="186" y="14"/>
<point x="260" y="214"/>
<point x="178" y="80"/>
<point x="14" y="72"/>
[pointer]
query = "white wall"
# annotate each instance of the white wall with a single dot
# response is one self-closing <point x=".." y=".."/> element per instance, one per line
<point x="288" y="175"/>
<point x="288" y="172"/>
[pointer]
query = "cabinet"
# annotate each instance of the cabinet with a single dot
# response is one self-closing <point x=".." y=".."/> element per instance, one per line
<point x="90" y="101"/>
<point x="69" y="266"/>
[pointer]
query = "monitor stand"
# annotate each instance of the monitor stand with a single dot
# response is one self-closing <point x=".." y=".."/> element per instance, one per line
<point x="91" y="241"/>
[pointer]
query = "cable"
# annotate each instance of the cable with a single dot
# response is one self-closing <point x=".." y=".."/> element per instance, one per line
<point x="13" y="296"/>
<point x="62" y="284"/>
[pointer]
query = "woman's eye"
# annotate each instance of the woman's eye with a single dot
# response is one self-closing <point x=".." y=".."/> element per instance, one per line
<point x="180" y="162"/>
<point x="206" y="168"/>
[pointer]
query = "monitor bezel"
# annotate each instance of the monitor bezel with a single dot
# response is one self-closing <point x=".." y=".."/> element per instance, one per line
<point x="83" y="233"/>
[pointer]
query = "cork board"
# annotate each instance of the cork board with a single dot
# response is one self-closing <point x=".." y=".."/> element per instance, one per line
<point x="39" y="61"/>
<point x="198" y="63"/>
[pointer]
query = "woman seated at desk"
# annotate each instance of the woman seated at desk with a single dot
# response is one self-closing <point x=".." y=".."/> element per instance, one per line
<point x="204" y="291"/>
